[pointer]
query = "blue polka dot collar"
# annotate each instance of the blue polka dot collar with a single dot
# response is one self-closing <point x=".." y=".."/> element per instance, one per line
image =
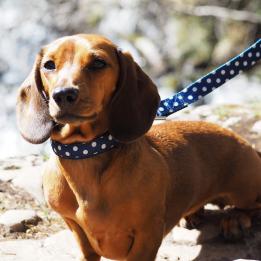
<point x="83" y="150"/>
<point x="180" y="100"/>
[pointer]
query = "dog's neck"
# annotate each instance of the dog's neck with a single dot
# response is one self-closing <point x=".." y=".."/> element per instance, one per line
<point x="87" y="176"/>
<point x="96" y="169"/>
<point x="86" y="185"/>
<point x="83" y="132"/>
<point x="82" y="141"/>
<point x="93" y="167"/>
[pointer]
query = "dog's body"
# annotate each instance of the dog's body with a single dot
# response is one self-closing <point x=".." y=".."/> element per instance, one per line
<point x="126" y="200"/>
<point x="120" y="204"/>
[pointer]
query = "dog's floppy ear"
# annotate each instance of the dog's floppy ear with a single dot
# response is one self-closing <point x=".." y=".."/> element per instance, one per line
<point x="135" y="103"/>
<point x="33" y="119"/>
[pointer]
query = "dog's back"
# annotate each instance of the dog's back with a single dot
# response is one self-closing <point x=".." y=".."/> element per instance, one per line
<point x="208" y="161"/>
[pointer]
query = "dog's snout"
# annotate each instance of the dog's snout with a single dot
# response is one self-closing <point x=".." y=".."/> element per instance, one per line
<point x="65" y="95"/>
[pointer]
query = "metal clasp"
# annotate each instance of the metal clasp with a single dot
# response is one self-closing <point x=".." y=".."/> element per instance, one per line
<point x="160" y="118"/>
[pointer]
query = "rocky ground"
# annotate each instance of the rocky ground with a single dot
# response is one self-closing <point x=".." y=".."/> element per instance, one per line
<point x="29" y="230"/>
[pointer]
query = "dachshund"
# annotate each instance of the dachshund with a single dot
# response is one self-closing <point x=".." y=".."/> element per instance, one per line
<point x="121" y="203"/>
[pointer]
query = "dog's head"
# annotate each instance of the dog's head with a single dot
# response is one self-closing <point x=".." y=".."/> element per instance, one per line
<point x="84" y="80"/>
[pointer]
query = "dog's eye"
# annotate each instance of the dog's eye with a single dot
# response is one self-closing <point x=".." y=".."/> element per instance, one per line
<point x="97" y="64"/>
<point x="49" y="65"/>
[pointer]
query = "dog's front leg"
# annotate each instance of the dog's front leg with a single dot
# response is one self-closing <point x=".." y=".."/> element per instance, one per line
<point x="146" y="243"/>
<point x="87" y="251"/>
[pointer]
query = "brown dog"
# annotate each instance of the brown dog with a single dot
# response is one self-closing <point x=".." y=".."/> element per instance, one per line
<point x="121" y="203"/>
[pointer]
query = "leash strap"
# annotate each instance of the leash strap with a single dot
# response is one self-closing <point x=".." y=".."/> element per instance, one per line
<point x="211" y="81"/>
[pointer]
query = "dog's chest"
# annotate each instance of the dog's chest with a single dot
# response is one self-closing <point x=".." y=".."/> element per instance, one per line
<point x="110" y="211"/>
<point x="109" y="234"/>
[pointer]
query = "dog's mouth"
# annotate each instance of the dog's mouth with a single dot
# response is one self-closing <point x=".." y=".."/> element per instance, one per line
<point x="73" y="119"/>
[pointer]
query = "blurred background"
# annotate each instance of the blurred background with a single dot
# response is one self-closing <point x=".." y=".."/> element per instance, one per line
<point x="175" y="41"/>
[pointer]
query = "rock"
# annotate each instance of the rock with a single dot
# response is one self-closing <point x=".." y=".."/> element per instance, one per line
<point x="19" y="227"/>
<point x="237" y="91"/>
<point x="23" y="250"/>
<point x="62" y="246"/>
<point x="178" y="252"/>
<point x="30" y="179"/>
<point x="245" y="260"/>
<point x="183" y="235"/>
<point x="58" y="240"/>
<point x="151" y="53"/>
<point x="256" y="128"/>
<point x="18" y="220"/>
<point x="7" y="175"/>
<point x="231" y="121"/>
<point x="31" y="250"/>
<point x="211" y="207"/>
<point x="203" y="111"/>
<point x="26" y="173"/>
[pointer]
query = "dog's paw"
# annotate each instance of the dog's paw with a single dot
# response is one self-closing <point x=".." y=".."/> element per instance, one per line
<point x="192" y="221"/>
<point x="235" y="225"/>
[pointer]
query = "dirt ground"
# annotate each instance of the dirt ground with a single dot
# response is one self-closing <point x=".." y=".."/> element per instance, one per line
<point x="12" y="197"/>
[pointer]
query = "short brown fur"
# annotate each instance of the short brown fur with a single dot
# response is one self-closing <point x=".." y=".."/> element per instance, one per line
<point x="120" y="204"/>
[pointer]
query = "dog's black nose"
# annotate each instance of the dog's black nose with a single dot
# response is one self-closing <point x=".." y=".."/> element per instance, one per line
<point x="65" y="95"/>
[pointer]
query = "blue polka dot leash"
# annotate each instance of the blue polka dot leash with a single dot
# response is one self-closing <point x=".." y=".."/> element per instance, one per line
<point x="211" y="81"/>
<point x="180" y="100"/>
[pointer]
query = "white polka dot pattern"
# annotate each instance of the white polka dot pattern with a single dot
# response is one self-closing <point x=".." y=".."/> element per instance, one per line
<point x="211" y="81"/>
<point x="83" y="150"/>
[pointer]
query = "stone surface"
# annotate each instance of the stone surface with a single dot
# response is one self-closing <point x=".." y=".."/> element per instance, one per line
<point x="11" y="217"/>
<point x="62" y="246"/>
<point x="18" y="219"/>
<point x="256" y="128"/>
<point x="26" y="173"/>
<point x="31" y="250"/>
<point x="30" y="179"/>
